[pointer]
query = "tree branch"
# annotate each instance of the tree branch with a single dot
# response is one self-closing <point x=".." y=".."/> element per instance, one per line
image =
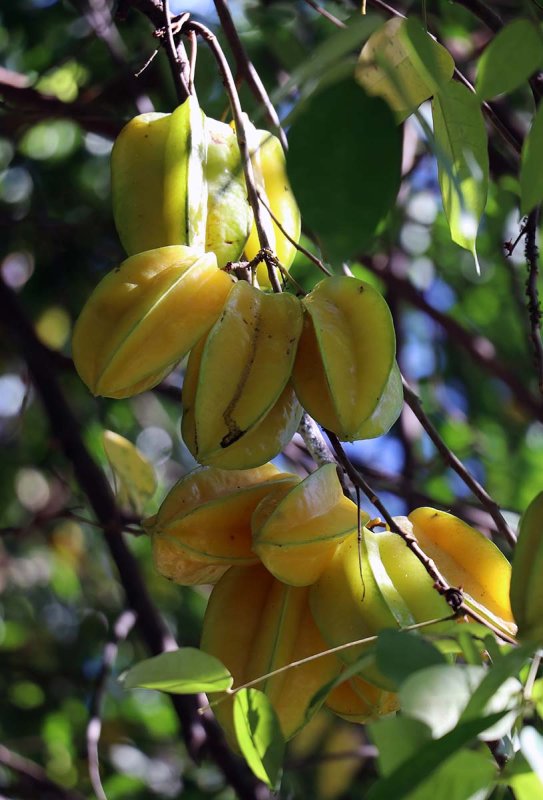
<point x="534" y="308"/>
<point x="35" y="777"/>
<point x="246" y="68"/>
<point x="201" y="733"/>
<point x="479" y="348"/>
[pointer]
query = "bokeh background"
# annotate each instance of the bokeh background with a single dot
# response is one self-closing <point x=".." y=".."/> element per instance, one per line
<point x="67" y="84"/>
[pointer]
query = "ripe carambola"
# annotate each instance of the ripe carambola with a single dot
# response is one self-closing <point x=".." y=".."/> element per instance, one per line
<point x="145" y="316"/>
<point x="238" y="407"/>
<point x="345" y="373"/>
<point x="254" y="624"/>
<point x="270" y="170"/>
<point x="296" y="530"/>
<point x="384" y="584"/>
<point x="203" y="526"/>
<point x="178" y="179"/>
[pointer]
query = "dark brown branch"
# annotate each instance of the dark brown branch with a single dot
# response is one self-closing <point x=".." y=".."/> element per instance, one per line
<point x="479" y="348"/>
<point x="201" y="733"/>
<point x="534" y="308"/>
<point x="454" y="462"/>
<point x="25" y="105"/>
<point x="177" y="65"/>
<point x="34" y="777"/>
<point x="122" y="628"/>
<point x="326" y="14"/>
<point x="246" y="68"/>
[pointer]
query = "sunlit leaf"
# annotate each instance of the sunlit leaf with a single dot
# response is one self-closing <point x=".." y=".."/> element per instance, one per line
<point x="510" y="58"/>
<point x="135" y="475"/>
<point x="259" y="734"/>
<point x="404" y="65"/>
<point x="183" y="671"/>
<point x="461" y="139"/>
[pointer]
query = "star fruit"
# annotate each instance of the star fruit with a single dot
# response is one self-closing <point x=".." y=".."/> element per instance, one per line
<point x="203" y="526"/>
<point x="239" y="409"/>
<point x="254" y="624"/>
<point x="145" y="316"/>
<point x="345" y="373"/>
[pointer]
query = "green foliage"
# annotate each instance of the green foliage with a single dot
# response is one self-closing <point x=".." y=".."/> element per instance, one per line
<point x="259" y="735"/>
<point x="346" y="198"/>
<point x="462" y="340"/>
<point x="183" y="671"/>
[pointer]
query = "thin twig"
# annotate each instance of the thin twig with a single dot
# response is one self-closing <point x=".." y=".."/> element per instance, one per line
<point x="122" y="628"/>
<point x="479" y="348"/>
<point x="307" y="253"/>
<point x="237" y="112"/>
<point x="246" y="68"/>
<point x="414" y="403"/>
<point x="326" y="14"/>
<point x="35" y="776"/>
<point x="532" y="293"/>
<point x="176" y="65"/>
<point x="452" y="595"/>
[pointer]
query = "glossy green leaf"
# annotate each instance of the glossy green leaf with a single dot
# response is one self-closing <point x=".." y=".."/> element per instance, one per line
<point x="506" y="667"/>
<point x="399" y="739"/>
<point x="531" y="165"/>
<point x="404" y="65"/>
<point x="411" y="773"/>
<point x="462" y="151"/>
<point x="400" y="654"/>
<point x="134" y="475"/>
<point x="510" y="58"/>
<point x="259" y="734"/>
<point x="184" y="671"/>
<point x="525" y="783"/>
<point x="439" y="695"/>
<point x="342" y="189"/>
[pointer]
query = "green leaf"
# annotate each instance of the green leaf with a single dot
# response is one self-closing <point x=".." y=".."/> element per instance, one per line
<point x="440" y="695"/>
<point x="462" y="152"/>
<point x="511" y="57"/>
<point x="327" y="56"/>
<point x="531" y="165"/>
<point x="259" y="734"/>
<point x="411" y="773"/>
<point x="466" y="775"/>
<point x="507" y="666"/>
<point x="463" y="774"/>
<point x="531" y="745"/>
<point x="135" y="477"/>
<point x="523" y="781"/>
<point x="184" y="671"/>
<point x="470" y="650"/>
<point x="400" y="654"/>
<point x="404" y="65"/>
<point x="397" y="739"/>
<point x="344" y="164"/>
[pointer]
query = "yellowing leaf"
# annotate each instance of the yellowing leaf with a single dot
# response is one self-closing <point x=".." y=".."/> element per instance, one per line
<point x="134" y="475"/>
<point x="462" y="152"/>
<point x="404" y="65"/>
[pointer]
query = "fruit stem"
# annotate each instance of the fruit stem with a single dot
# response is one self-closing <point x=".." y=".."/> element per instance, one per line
<point x="237" y="113"/>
